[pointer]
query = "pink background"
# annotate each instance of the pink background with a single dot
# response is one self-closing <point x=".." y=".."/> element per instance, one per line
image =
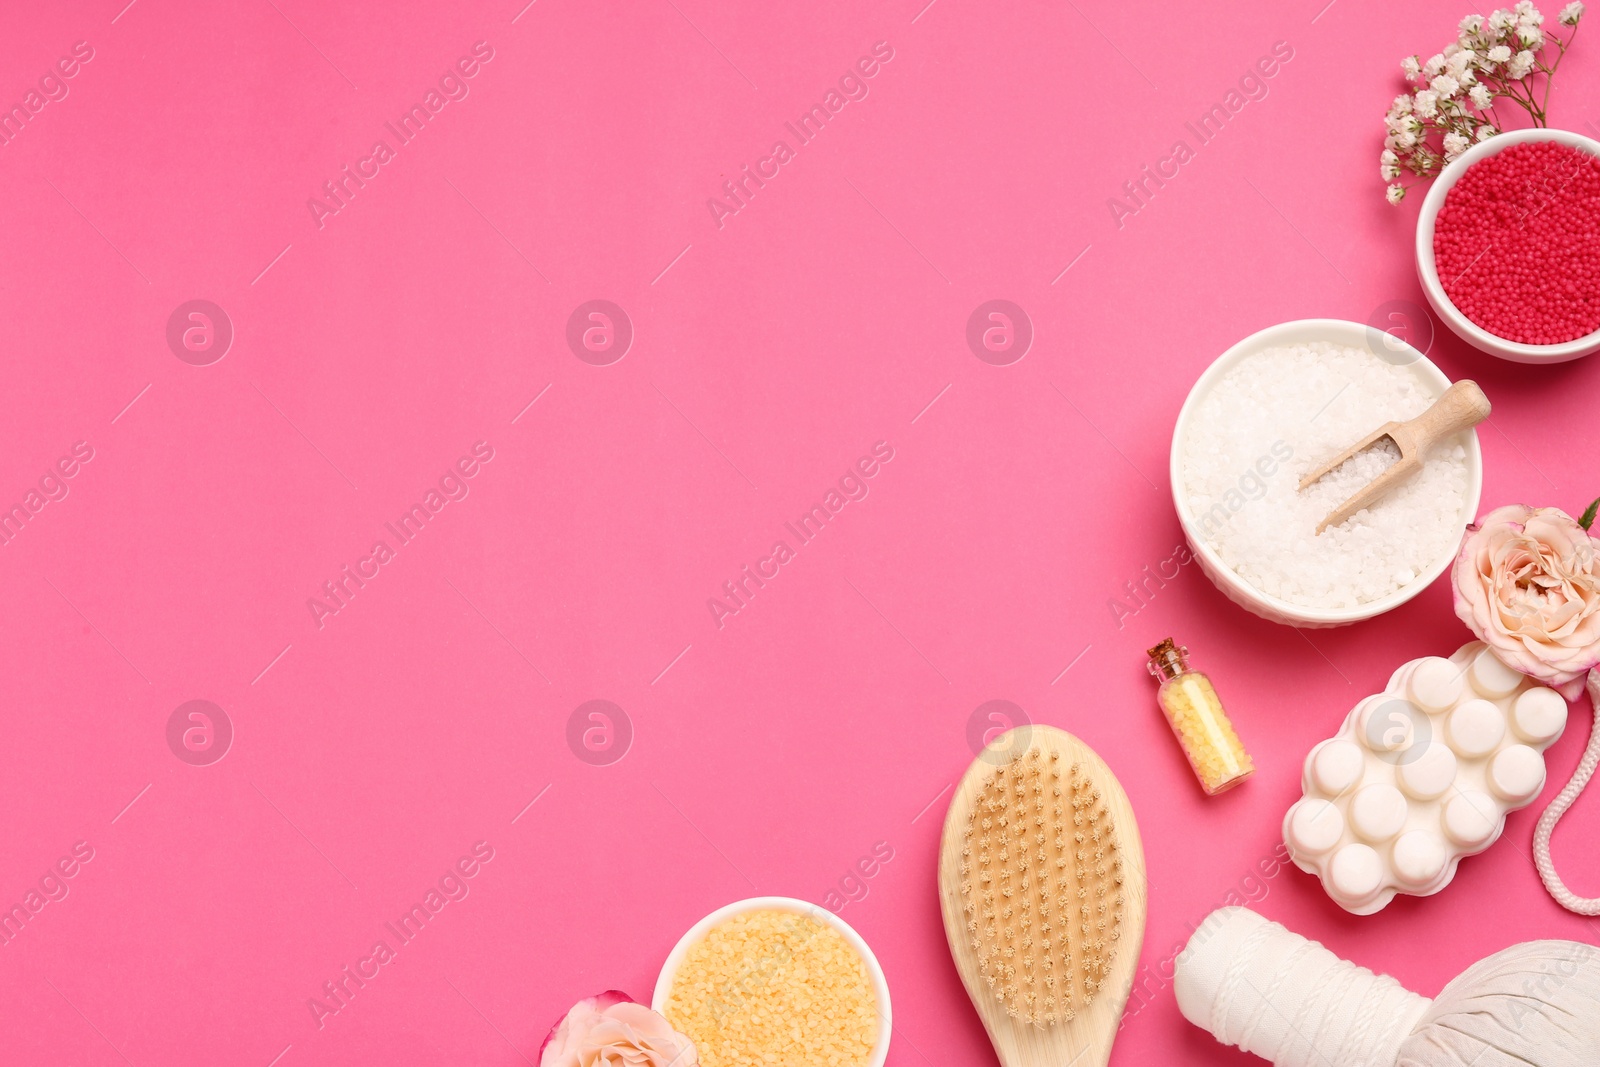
<point x="771" y="754"/>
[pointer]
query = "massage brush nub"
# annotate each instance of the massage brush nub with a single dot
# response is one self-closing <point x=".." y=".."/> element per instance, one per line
<point x="1042" y="887"/>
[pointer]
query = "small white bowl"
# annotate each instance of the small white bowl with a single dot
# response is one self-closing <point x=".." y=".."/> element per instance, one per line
<point x="697" y="932"/>
<point x="1301" y="331"/>
<point x="1464" y="327"/>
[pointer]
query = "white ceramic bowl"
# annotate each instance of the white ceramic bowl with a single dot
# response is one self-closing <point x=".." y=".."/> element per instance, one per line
<point x="1464" y="327"/>
<point x="1338" y="332"/>
<point x="698" y="931"/>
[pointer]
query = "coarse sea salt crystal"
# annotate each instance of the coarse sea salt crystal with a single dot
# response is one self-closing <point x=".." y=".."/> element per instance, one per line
<point x="1279" y="414"/>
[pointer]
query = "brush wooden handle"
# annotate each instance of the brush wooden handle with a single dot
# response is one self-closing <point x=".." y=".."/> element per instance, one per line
<point x="1085" y="1040"/>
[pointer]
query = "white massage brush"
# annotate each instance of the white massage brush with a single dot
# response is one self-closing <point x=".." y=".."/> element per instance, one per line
<point x="1042" y="886"/>
<point x="1256" y="985"/>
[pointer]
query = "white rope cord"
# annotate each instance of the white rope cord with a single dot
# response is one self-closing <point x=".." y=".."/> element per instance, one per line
<point x="1329" y="1001"/>
<point x="1365" y="1014"/>
<point x="1558" y="807"/>
<point x="1270" y="994"/>
<point x="1231" y="979"/>
<point x="1342" y="1057"/>
<point x="1334" y="966"/>
<point x="1336" y="1007"/>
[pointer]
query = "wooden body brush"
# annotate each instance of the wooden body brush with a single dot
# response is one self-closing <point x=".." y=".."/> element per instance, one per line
<point x="1042" y="886"/>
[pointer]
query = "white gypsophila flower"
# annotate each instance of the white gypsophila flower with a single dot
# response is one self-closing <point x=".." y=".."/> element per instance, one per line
<point x="1454" y="145"/>
<point x="1501" y="22"/>
<point x="1412" y="66"/>
<point x="1432" y="67"/>
<point x="1389" y="165"/>
<point x="1471" y="27"/>
<point x="1402" y="105"/>
<point x="1531" y="37"/>
<point x="1482" y="98"/>
<point x="1451" y="49"/>
<point x="1570" y="14"/>
<point x="1520" y="65"/>
<point x="1427" y="103"/>
<point x="1395" y="193"/>
<point x="1400" y="140"/>
<point x="1528" y="15"/>
<point x="1499" y="54"/>
<point x="1445" y="85"/>
<point x="1460" y="63"/>
<point x="1486" y="132"/>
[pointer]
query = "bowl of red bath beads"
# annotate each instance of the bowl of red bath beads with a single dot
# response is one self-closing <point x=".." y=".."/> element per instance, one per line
<point x="1508" y="245"/>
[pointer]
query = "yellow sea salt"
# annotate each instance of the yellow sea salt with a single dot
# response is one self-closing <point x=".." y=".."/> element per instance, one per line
<point x="775" y="989"/>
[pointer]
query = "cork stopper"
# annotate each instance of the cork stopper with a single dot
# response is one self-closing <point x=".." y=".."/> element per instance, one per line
<point x="1167" y="660"/>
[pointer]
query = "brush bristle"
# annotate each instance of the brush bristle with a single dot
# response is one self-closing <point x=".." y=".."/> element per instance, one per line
<point x="1041" y="887"/>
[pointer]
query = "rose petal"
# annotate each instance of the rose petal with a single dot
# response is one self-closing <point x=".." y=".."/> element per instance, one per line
<point x="611" y="1030"/>
<point x="572" y="1028"/>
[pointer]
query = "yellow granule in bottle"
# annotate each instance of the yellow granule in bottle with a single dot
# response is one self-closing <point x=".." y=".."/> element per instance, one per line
<point x="775" y="989"/>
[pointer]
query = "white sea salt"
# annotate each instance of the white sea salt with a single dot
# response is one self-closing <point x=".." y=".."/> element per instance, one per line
<point x="1279" y="414"/>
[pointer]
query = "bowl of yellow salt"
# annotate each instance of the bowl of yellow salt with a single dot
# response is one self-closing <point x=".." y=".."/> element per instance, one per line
<point x="776" y="980"/>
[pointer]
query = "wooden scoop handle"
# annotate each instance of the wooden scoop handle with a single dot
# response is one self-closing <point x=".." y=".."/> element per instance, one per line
<point x="1461" y="407"/>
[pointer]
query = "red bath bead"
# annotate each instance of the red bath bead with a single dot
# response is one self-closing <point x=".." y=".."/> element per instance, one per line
<point x="1517" y="243"/>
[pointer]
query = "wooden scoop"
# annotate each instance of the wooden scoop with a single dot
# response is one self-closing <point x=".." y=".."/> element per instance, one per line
<point x="1461" y="407"/>
<point x="1042" y="886"/>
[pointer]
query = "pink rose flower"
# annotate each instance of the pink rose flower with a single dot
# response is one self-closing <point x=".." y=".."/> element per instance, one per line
<point x="610" y="1030"/>
<point x="1527" y="582"/>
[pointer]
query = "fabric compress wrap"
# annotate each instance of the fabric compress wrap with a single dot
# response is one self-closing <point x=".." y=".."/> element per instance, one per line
<point x="1256" y="985"/>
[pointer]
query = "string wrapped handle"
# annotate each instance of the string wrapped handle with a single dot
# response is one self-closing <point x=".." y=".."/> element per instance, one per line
<point x="1287" y="999"/>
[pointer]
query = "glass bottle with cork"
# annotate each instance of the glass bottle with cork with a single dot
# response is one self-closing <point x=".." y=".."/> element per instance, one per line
<point x="1198" y="720"/>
